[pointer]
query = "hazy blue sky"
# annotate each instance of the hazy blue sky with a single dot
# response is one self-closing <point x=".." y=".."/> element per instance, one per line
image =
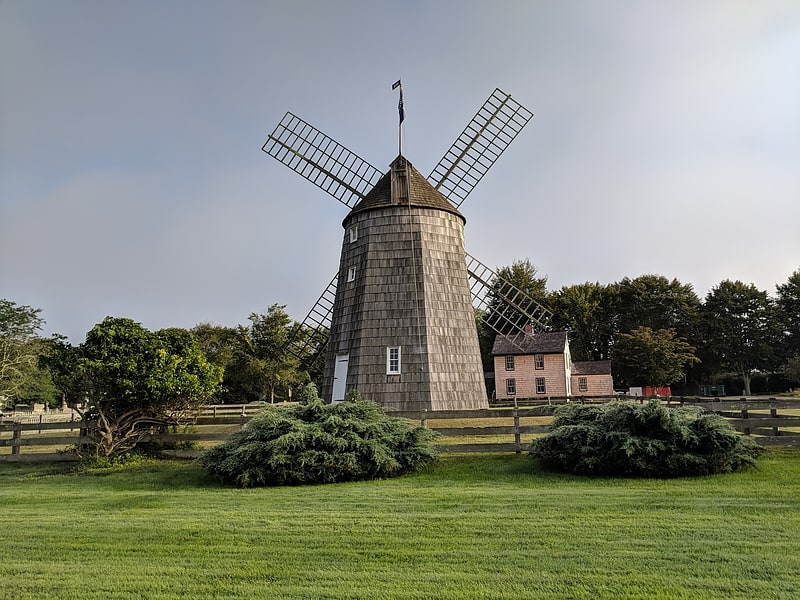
<point x="666" y="139"/>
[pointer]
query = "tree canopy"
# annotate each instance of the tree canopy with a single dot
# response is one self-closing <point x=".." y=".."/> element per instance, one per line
<point x="788" y="302"/>
<point x="586" y="311"/>
<point x="19" y="346"/>
<point x="132" y="381"/>
<point x="656" y="358"/>
<point x="741" y="330"/>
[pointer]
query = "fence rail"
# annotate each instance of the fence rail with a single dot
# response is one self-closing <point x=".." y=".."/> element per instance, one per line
<point x="769" y="422"/>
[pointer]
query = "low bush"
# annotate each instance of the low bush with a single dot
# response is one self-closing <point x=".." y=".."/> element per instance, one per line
<point x="650" y="440"/>
<point x="320" y="443"/>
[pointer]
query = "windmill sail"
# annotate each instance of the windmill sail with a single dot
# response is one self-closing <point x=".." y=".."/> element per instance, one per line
<point x="312" y="336"/>
<point x="481" y="143"/>
<point x="320" y="159"/>
<point x="508" y="310"/>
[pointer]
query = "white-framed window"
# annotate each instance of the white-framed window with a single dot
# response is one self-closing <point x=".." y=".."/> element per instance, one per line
<point x="353" y="233"/>
<point x="583" y="384"/>
<point x="541" y="388"/>
<point x="538" y="361"/>
<point x="393" y="360"/>
<point x="351" y="274"/>
<point x="511" y="387"/>
<point x="509" y="362"/>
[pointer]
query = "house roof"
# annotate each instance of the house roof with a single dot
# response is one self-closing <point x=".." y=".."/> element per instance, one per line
<point x="544" y="342"/>
<point x="421" y="193"/>
<point x="592" y="367"/>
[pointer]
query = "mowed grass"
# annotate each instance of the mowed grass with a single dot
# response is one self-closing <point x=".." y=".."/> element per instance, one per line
<point x="470" y="527"/>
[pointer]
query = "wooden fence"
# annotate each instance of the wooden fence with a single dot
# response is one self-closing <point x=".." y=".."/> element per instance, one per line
<point x="509" y="429"/>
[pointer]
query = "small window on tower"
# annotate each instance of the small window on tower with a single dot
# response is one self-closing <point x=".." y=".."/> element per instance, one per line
<point x="353" y="233"/>
<point x="393" y="360"/>
<point x="351" y="274"/>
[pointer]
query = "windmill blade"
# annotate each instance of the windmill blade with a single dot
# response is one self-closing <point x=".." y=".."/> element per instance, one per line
<point x="323" y="161"/>
<point x="481" y="143"/>
<point x="508" y="310"/>
<point x="312" y="335"/>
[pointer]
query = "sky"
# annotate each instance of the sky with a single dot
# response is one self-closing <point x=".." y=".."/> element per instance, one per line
<point x="666" y="140"/>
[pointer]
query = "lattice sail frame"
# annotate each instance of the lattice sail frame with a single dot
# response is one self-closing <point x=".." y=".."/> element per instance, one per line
<point x="515" y="302"/>
<point x="479" y="146"/>
<point x="320" y="159"/>
<point x="318" y="323"/>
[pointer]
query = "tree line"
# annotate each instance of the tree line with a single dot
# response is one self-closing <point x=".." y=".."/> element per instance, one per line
<point x="658" y="331"/>
<point x="121" y="357"/>
<point x="655" y="331"/>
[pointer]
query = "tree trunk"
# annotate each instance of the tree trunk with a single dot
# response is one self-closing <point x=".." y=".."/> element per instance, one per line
<point x="746" y="380"/>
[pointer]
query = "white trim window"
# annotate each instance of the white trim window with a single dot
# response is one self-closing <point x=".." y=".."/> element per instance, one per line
<point x="353" y="233"/>
<point x="583" y="384"/>
<point x="351" y="274"/>
<point x="509" y="362"/>
<point x="541" y="388"/>
<point x="511" y="387"/>
<point x="393" y="360"/>
<point x="538" y="361"/>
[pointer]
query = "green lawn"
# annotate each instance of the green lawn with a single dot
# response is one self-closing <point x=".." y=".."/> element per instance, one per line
<point x="471" y="527"/>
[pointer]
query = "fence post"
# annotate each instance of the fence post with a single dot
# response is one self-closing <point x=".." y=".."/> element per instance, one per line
<point x="773" y="413"/>
<point x="517" y="436"/>
<point x="745" y="415"/>
<point x="424" y="420"/>
<point x="16" y="435"/>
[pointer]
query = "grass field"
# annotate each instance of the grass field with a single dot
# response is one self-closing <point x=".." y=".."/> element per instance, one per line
<point x="470" y="527"/>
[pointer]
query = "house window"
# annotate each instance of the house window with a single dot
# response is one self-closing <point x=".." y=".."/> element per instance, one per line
<point x="540" y="386"/>
<point x="538" y="361"/>
<point x="509" y="362"/>
<point x="511" y="387"/>
<point x="583" y="385"/>
<point x="351" y="274"/>
<point x="393" y="360"/>
<point x="353" y="231"/>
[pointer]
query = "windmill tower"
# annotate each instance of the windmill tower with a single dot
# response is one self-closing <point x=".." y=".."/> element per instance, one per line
<point x="400" y="310"/>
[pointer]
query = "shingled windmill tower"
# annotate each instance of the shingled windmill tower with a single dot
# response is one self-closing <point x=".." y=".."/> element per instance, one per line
<point x="400" y="310"/>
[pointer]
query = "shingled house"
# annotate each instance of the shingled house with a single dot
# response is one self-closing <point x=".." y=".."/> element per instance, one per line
<point x="539" y="364"/>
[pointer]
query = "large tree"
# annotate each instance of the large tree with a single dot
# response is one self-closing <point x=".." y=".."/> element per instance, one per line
<point x="741" y="329"/>
<point x="656" y="358"/>
<point x="788" y="301"/>
<point x="131" y="382"/>
<point x="262" y="366"/>
<point x="19" y="346"/>
<point x="220" y="345"/>
<point x="586" y="312"/>
<point x="656" y="302"/>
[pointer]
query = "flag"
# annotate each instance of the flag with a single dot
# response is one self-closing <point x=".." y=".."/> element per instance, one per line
<point x="400" y="108"/>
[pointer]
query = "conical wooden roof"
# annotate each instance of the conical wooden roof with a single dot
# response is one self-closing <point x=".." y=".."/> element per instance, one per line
<point x="422" y="194"/>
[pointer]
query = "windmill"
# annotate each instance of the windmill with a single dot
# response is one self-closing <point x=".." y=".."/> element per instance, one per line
<point x="399" y="312"/>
